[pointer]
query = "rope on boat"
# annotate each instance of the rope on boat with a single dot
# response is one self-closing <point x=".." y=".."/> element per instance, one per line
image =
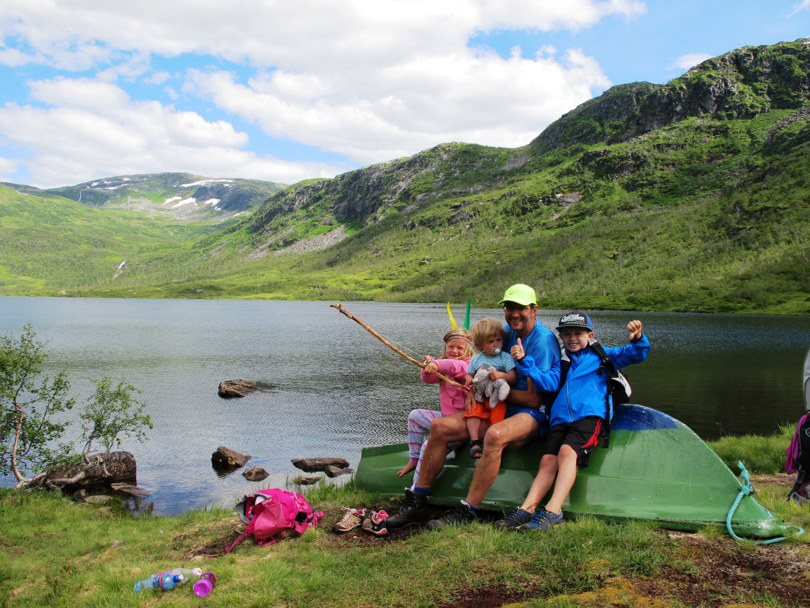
<point x="746" y="489"/>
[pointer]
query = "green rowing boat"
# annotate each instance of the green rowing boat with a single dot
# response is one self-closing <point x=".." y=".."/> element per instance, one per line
<point x="656" y="469"/>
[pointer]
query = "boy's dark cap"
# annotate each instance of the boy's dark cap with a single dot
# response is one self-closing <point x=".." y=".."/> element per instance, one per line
<point x="575" y="319"/>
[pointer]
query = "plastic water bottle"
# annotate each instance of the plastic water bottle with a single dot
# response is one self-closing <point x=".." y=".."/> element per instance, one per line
<point x="187" y="573"/>
<point x="206" y="583"/>
<point x="162" y="582"/>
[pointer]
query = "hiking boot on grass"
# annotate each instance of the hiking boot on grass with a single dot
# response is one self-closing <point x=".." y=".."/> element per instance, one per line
<point x="542" y="520"/>
<point x="412" y="511"/>
<point x="352" y="519"/>
<point x="514" y="520"/>
<point x="461" y="514"/>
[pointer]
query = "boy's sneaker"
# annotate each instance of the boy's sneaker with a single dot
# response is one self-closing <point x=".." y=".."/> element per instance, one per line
<point x="461" y="514"/>
<point x="515" y="519"/>
<point x="375" y="523"/>
<point x="413" y="510"/>
<point x="542" y="520"/>
<point x="352" y="519"/>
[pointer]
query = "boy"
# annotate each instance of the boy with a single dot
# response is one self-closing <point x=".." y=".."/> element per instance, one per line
<point x="576" y="416"/>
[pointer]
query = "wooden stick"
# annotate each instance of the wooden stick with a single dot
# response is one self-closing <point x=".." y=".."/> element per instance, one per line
<point x="391" y="346"/>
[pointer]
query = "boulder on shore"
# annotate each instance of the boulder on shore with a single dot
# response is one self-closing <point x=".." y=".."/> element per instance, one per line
<point x="311" y="465"/>
<point x="255" y="474"/>
<point x="229" y="389"/>
<point x="333" y="471"/>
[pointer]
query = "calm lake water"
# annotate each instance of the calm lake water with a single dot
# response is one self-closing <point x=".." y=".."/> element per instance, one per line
<point x="329" y="387"/>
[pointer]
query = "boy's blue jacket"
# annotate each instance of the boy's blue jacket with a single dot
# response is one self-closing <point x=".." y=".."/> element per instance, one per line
<point x="584" y="391"/>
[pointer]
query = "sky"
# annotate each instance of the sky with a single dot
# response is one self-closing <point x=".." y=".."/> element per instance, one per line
<point x="286" y="90"/>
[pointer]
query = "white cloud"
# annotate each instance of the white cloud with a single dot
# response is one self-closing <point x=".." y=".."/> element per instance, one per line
<point x="7" y="167"/>
<point x="800" y="6"/>
<point x="367" y="79"/>
<point x="97" y="131"/>
<point x="690" y="60"/>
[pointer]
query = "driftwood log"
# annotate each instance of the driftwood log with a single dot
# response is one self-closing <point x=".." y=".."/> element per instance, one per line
<point x="98" y="470"/>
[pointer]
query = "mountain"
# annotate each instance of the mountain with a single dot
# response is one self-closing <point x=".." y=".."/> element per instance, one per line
<point x="50" y="245"/>
<point x="692" y="195"/>
<point x="181" y="195"/>
<point x="742" y="84"/>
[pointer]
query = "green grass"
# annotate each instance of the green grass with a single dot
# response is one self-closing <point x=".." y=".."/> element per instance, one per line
<point x="59" y="553"/>
<point x="765" y="454"/>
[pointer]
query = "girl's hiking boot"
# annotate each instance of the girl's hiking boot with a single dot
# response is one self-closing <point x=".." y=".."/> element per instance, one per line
<point x="461" y="514"/>
<point x="514" y="520"/>
<point x="542" y="520"/>
<point x="412" y="511"/>
<point x="352" y="519"/>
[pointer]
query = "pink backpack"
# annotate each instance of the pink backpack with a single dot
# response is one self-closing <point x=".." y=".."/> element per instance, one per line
<point x="270" y="514"/>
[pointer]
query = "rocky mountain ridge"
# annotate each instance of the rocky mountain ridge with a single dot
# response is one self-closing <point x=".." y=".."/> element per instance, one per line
<point x="739" y="85"/>
<point x="181" y="195"/>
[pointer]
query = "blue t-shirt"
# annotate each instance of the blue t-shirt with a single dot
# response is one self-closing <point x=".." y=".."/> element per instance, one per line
<point x="540" y="344"/>
<point x="503" y="362"/>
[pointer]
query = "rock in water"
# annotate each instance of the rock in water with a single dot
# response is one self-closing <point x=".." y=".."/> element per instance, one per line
<point x="229" y="389"/>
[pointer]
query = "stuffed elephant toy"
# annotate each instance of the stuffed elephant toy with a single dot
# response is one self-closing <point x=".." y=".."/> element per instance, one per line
<point x="495" y="390"/>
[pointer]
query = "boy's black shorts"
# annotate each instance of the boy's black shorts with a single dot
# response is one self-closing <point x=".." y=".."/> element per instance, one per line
<point x="582" y="435"/>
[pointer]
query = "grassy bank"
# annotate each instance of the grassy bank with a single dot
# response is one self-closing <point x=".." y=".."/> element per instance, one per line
<point x="58" y="553"/>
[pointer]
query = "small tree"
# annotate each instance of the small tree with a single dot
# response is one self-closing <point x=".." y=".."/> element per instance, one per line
<point x="28" y="403"/>
<point x="110" y="414"/>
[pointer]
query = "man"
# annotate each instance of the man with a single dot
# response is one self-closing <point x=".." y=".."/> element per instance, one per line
<point x="525" y="420"/>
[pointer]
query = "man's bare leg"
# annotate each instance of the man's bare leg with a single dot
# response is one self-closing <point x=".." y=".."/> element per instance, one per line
<point x="514" y="431"/>
<point x="443" y="430"/>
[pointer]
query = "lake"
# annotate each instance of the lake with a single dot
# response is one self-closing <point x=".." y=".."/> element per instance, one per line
<point x="329" y="387"/>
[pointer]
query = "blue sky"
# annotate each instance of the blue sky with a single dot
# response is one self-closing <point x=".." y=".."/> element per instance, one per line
<point x="285" y="90"/>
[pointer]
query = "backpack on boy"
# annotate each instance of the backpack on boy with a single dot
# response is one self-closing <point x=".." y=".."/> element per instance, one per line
<point x="617" y="385"/>
<point x="271" y="514"/>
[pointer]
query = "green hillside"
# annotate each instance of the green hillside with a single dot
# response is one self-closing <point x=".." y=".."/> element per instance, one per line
<point x="691" y="195"/>
<point x="51" y="245"/>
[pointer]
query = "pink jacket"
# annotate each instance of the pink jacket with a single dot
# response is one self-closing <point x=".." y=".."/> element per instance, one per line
<point x="452" y="397"/>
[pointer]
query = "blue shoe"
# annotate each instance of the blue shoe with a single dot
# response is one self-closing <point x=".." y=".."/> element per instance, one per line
<point x="514" y="520"/>
<point x="542" y="520"/>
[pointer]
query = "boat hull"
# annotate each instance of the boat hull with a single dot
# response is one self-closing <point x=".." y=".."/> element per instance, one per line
<point x="656" y="469"/>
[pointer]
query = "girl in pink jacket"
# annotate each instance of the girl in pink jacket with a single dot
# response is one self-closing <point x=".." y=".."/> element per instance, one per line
<point x="458" y="351"/>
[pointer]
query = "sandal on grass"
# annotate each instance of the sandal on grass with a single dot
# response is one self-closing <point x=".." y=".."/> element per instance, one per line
<point x="476" y="448"/>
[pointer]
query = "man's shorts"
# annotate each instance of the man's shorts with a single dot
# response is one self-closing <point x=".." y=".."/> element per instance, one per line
<point x="481" y="410"/>
<point x="538" y="415"/>
<point x="581" y="435"/>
